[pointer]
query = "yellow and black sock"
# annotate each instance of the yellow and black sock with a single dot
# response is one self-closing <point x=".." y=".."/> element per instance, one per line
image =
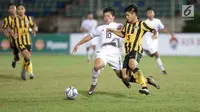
<point x="30" y="68"/>
<point x="139" y="77"/>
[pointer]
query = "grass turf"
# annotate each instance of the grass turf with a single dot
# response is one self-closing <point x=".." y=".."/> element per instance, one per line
<point x="179" y="91"/>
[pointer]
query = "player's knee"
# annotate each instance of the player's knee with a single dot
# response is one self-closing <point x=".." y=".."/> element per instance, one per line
<point x="97" y="67"/>
<point x="156" y="55"/>
<point x="132" y="66"/>
<point x="27" y="57"/>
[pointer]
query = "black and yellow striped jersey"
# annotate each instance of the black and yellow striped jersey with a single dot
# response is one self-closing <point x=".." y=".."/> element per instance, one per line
<point x="133" y="34"/>
<point x="8" y="24"/>
<point x="21" y="28"/>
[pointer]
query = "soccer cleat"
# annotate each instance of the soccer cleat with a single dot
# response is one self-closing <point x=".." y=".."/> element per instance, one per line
<point x="144" y="90"/>
<point x="92" y="88"/>
<point x="164" y="72"/>
<point x="152" y="82"/>
<point x="31" y="76"/>
<point x="13" y="64"/>
<point x="23" y="74"/>
<point x="127" y="84"/>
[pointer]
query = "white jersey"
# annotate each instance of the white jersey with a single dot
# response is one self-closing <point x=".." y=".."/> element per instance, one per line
<point x="156" y="24"/>
<point x="89" y="25"/>
<point x="109" y="45"/>
<point x="107" y="41"/>
<point x="148" y="43"/>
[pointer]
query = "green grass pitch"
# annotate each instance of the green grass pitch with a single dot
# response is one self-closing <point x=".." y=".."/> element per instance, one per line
<point x="180" y="89"/>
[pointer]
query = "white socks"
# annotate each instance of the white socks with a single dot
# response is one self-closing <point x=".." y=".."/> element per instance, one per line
<point x="159" y="63"/>
<point x="94" y="55"/>
<point x="95" y="76"/>
<point x="89" y="53"/>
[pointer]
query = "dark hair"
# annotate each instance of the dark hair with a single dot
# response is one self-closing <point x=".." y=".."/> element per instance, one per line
<point x="109" y="9"/>
<point x="131" y="8"/>
<point x="89" y="12"/>
<point x="20" y="5"/>
<point x="10" y="4"/>
<point x="149" y="8"/>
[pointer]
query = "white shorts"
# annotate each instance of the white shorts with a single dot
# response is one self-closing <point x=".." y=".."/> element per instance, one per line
<point x="150" y="44"/>
<point x="113" y="59"/>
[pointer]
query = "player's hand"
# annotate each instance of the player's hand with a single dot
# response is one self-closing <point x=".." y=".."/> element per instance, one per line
<point x="34" y="33"/>
<point x="154" y="37"/>
<point x="75" y="49"/>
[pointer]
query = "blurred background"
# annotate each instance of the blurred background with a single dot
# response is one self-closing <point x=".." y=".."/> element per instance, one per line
<point x="59" y="22"/>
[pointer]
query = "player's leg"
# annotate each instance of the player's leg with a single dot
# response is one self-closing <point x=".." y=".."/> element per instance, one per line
<point x="138" y="75"/>
<point x="93" y="52"/>
<point x="115" y="63"/>
<point x="15" y="52"/>
<point x="159" y="62"/>
<point x="26" y="54"/>
<point x="88" y="49"/>
<point x="29" y="68"/>
<point x="88" y="54"/>
<point x="119" y="74"/>
<point x="153" y="49"/>
<point x="100" y="62"/>
<point x="94" y="46"/>
<point x="149" y="80"/>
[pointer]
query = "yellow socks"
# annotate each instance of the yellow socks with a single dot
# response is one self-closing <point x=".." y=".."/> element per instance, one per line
<point x="140" y="78"/>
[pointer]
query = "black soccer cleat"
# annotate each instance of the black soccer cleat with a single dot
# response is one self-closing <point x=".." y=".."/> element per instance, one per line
<point x="144" y="90"/>
<point x="127" y="84"/>
<point x="13" y="64"/>
<point x="164" y="72"/>
<point x="152" y="82"/>
<point x="92" y="88"/>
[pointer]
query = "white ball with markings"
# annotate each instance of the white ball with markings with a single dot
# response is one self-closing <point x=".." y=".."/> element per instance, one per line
<point x="71" y="93"/>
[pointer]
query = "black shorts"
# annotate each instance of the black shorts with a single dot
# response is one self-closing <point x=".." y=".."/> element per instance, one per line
<point x="22" y="47"/>
<point x="133" y="54"/>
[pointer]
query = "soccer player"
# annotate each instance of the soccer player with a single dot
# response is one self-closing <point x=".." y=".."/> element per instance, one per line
<point x="6" y="26"/>
<point x="150" y="45"/>
<point x="132" y="32"/>
<point x="21" y="26"/>
<point x="109" y="51"/>
<point x="87" y="26"/>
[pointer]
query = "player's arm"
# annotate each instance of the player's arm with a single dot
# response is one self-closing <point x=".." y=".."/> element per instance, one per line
<point x="162" y="28"/>
<point x="84" y="40"/>
<point x="167" y="31"/>
<point x="148" y="28"/>
<point x="119" y="32"/>
<point x="34" y="26"/>
<point x="4" y="26"/>
<point x="89" y="37"/>
<point x="116" y="32"/>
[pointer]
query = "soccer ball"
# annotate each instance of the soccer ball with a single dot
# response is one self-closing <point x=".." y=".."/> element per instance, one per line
<point x="71" y="93"/>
